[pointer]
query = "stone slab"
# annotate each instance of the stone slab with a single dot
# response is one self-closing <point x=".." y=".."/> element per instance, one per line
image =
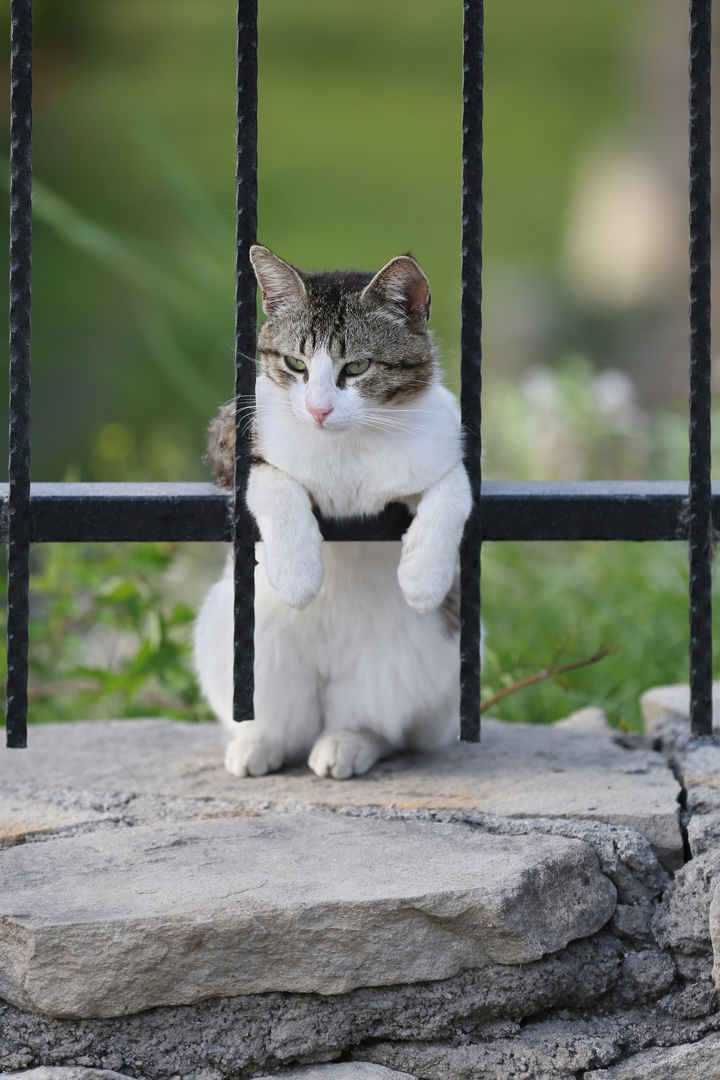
<point x="64" y="1072"/>
<point x="518" y="770"/>
<point x="348" y="1070"/>
<point x="112" y="923"/>
<point x="693" y="1061"/>
<point x="351" y="1070"/>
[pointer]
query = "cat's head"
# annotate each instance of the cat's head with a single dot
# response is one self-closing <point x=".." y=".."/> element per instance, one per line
<point x="345" y="345"/>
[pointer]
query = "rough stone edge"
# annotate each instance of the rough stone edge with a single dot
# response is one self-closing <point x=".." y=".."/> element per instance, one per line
<point x="285" y="1029"/>
<point x="640" y="1066"/>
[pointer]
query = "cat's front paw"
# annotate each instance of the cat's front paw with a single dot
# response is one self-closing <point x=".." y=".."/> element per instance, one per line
<point x="425" y="578"/>
<point x="342" y="754"/>
<point x="251" y="753"/>
<point x="297" y="578"/>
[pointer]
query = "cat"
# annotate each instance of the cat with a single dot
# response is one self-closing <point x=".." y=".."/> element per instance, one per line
<point x="356" y="643"/>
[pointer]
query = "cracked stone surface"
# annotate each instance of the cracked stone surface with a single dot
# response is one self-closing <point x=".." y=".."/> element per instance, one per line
<point x="563" y="1049"/>
<point x="694" y="1061"/>
<point x="715" y="933"/>
<point x="682" y="920"/>
<point x="519" y="770"/>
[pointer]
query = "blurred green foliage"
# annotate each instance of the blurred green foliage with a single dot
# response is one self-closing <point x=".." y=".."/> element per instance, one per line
<point x="359" y="159"/>
<point x="107" y="637"/>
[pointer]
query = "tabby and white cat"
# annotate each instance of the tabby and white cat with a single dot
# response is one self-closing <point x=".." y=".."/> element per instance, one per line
<point x="357" y="644"/>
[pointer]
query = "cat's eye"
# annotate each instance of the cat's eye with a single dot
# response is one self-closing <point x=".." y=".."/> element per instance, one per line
<point x="356" y="367"/>
<point x="294" y="364"/>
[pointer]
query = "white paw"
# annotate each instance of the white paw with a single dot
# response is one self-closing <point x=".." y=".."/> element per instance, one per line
<point x="425" y="577"/>
<point x="251" y="754"/>
<point x="297" y="578"/>
<point x="343" y="754"/>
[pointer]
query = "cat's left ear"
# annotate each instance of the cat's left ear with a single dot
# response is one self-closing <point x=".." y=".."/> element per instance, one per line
<point x="280" y="283"/>
<point x="403" y="289"/>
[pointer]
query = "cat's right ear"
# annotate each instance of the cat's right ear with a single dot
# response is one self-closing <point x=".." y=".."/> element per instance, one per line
<point x="280" y="282"/>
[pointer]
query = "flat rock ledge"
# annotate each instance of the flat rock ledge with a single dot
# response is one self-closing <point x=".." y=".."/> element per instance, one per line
<point x="74" y="776"/>
<point x="113" y="923"/>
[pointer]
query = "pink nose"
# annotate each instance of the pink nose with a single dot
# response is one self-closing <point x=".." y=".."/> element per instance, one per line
<point x="319" y="411"/>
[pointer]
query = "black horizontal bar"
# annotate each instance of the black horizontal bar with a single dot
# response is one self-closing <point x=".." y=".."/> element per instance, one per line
<point x="595" y="510"/>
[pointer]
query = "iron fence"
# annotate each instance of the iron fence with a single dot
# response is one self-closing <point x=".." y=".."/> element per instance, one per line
<point x="41" y="513"/>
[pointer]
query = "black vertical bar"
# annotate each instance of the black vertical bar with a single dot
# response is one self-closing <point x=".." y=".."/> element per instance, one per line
<point x="19" y="462"/>
<point x="245" y="333"/>
<point x="471" y="345"/>
<point x="700" y="452"/>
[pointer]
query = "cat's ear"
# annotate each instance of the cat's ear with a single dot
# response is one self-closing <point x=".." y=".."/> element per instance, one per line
<point x="280" y="282"/>
<point x="403" y="289"/>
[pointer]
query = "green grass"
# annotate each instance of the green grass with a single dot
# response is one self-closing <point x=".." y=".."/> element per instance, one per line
<point x="536" y="597"/>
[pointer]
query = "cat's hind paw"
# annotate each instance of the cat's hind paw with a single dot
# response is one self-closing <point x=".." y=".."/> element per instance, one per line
<point x="251" y="753"/>
<point x="342" y="754"/>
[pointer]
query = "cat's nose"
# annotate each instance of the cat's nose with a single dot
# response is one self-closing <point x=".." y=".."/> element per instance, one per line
<point x="320" y="412"/>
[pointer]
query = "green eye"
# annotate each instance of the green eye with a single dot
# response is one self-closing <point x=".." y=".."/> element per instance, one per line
<point x="294" y="364"/>
<point x="356" y="367"/>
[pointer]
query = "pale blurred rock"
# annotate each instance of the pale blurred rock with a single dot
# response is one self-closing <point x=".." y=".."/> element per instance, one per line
<point x="672" y="700"/>
<point x="589" y="721"/>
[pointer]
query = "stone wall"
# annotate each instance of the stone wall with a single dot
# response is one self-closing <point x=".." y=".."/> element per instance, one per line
<point x="569" y="944"/>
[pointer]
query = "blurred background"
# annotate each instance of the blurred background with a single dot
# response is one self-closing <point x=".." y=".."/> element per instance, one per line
<point x="585" y="313"/>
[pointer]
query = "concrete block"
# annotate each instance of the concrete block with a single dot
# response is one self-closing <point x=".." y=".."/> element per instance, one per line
<point x="107" y="924"/>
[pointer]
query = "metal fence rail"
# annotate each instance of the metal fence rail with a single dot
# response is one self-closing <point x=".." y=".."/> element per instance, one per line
<point x="42" y="513"/>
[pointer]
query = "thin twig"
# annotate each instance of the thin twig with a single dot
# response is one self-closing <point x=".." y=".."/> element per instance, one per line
<point x="547" y="673"/>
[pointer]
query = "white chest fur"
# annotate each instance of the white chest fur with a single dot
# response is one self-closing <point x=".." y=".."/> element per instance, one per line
<point x="359" y="470"/>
